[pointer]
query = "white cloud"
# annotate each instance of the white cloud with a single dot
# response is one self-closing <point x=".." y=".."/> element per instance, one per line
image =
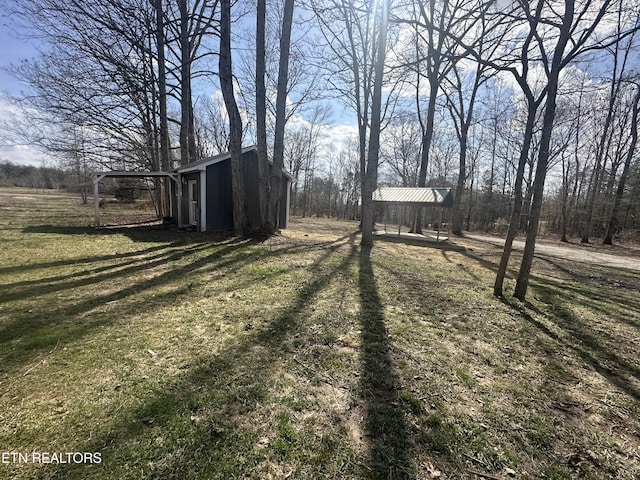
<point x="23" y="155"/>
<point x="12" y="148"/>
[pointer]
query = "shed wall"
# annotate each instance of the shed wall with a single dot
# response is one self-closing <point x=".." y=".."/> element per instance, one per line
<point x="219" y="197"/>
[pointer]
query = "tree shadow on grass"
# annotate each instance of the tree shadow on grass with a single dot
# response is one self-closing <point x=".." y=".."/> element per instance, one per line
<point x="209" y="409"/>
<point x="36" y="330"/>
<point x="578" y="338"/>
<point x="143" y="233"/>
<point x="386" y="425"/>
<point x="443" y="245"/>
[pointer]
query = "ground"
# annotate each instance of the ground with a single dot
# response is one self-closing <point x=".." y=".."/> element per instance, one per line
<point x="619" y="256"/>
<point x="184" y="355"/>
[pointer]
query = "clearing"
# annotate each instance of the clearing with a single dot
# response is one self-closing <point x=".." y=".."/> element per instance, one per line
<point x="170" y="354"/>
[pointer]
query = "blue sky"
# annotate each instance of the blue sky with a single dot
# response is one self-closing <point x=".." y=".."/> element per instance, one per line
<point x="13" y="50"/>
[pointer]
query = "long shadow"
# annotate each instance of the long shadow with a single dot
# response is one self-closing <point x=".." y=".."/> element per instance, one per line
<point x="142" y="233"/>
<point x="448" y="246"/>
<point x="48" y="285"/>
<point x="226" y="388"/>
<point x="77" y="261"/>
<point x="595" y="299"/>
<point x="586" y="346"/>
<point x="39" y="329"/>
<point x="386" y="425"/>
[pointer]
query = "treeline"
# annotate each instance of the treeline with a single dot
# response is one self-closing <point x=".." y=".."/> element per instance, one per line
<point x="528" y="110"/>
<point x="335" y="193"/>
<point x="12" y="175"/>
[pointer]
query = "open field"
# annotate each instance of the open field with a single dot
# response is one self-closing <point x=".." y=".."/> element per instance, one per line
<point x="181" y="355"/>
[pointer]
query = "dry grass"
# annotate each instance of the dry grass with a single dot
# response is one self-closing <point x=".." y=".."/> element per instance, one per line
<point x="180" y="355"/>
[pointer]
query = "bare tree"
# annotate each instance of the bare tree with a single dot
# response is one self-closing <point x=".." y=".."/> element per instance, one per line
<point x="165" y="141"/>
<point x="240" y="216"/>
<point x="281" y="105"/>
<point x="620" y="56"/>
<point x="190" y="23"/>
<point x="371" y="175"/>
<point x="631" y="150"/>
<point x="261" y="113"/>
<point x="574" y="27"/>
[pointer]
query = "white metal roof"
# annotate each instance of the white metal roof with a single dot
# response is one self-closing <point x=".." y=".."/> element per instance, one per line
<point x="441" y="197"/>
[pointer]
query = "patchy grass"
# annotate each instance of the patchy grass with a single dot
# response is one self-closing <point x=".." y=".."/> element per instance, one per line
<point x="182" y="355"/>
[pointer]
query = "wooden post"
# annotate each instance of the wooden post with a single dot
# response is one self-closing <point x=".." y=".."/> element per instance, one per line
<point x="96" y="199"/>
<point x="179" y="201"/>
<point x="386" y="211"/>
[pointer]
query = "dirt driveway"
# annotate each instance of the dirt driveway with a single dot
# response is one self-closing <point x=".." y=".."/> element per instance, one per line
<point x="626" y="258"/>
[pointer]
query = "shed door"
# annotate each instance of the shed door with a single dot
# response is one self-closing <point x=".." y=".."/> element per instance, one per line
<point x="193" y="202"/>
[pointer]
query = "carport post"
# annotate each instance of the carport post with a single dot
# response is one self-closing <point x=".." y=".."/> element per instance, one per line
<point x="178" y="181"/>
<point x="96" y="198"/>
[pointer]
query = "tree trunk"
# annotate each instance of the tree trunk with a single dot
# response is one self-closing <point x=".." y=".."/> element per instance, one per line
<point x="371" y="179"/>
<point x="543" y="155"/>
<point x="456" y="220"/>
<point x="165" y="145"/>
<point x="514" y="222"/>
<point x="613" y="221"/>
<point x="187" y="138"/>
<point x="601" y="150"/>
<point x="235" y="121"/>
<point x="281" y="107"/>
<point x="427" y="139"/>
<point x="261" y="119"/>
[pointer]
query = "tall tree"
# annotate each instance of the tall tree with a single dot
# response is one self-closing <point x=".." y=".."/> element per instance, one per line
<point x="261" y="114"/>
<point x="190" y="21"/>
<point x="436" y="25"/>
<point x="574" y="26"/>
<point x="225" y="68"/>
<point x="371" y="174"/>
<point x="349" y="32"/>
<point x="631" y="150"/>
<point x="620" y="58"/>
<point x="281" y="112"/>
<point x="165" y="142"/>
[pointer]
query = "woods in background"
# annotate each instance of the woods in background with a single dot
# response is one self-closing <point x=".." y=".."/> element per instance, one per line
<point x="527" y="109"/>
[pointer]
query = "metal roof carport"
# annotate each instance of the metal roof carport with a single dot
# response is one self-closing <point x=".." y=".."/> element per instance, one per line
<point x="414" y="197"/>
<point x="98" y="176"/>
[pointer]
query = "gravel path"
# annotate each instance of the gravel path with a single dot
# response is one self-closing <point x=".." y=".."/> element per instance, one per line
<point x="570" y="252"/>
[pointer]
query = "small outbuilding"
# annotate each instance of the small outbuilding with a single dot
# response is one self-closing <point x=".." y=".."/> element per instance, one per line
<point x="202" y="196"/>
<point x="402" y="197"/>
<point x="205" y="195"/>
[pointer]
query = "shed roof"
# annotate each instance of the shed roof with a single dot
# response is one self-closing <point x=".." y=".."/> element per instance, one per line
<point x="205" y="162"/>
<point x="201" y="165"/>
<point x="424" y="196"/>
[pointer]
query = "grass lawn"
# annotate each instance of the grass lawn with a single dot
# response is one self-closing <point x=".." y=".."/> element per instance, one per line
<point x="166" y="354"/>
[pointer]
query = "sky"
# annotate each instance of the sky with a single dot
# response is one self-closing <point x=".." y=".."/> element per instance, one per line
<point x="12" y="51"/>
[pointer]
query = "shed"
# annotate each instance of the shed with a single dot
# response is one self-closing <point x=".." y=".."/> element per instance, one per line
<point x="205" y="196"/>
<point x="414" y="197"/>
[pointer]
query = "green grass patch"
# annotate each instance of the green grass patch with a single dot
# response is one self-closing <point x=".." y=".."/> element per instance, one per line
<point x="185" y="355"/>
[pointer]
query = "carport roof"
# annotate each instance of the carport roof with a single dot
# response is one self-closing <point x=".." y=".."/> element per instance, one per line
<point x="422" y="196"/>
